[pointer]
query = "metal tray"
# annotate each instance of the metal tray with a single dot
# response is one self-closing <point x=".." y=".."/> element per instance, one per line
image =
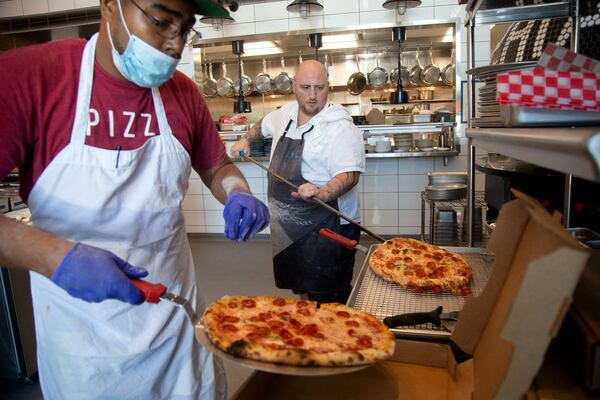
<point x="382" y="299"/>
<point x="489" y="71"/>
<point x="517" y="116"/>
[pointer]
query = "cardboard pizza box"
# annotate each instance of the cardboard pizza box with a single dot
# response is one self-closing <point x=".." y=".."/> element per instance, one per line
<point x="507" y="329"/>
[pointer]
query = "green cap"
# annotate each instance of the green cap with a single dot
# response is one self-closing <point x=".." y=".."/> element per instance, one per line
<point x="211" y="8"/>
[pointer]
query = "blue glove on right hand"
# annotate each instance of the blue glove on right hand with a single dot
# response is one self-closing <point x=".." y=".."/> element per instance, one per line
<point x="93" y="275"/>
<point x="244" y="215"/>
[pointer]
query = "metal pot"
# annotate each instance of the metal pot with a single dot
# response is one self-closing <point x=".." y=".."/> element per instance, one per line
<point x="449" y="72"/>
<point x="283" y="82"/>
<point x="430" y="75"/>
<point x="357" y="82"/>
<point x="246" y="82"/>
<point x="263" y="81"/>
<point x="378" y="77"/>
<point x="414" y="75"/>
<point x="404" y="74"/>
<point x="225" y="84"/>
<point x="209" y="86"/>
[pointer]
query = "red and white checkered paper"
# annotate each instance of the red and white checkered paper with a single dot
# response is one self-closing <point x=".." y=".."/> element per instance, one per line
<point x="561" y="80"/>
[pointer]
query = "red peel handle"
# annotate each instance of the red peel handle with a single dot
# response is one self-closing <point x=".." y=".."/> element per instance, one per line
<point x="344" y="241"/>
<point x="152" y="291"/>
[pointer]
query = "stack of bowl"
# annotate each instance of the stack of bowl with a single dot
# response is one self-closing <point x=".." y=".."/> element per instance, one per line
<point x="445" y="231"/>
<point x="403" y="142"/>
<point x="257" y="148"/>
<point x="425" y="144"/>
<point x="383" y="146"/>
<point x="445" y="186"/>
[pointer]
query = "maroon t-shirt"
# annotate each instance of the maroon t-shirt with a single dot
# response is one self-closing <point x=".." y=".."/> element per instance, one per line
<point x="38" y="95"/>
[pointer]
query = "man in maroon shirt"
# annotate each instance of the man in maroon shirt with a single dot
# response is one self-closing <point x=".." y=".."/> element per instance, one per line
<point x="105" y="134"/>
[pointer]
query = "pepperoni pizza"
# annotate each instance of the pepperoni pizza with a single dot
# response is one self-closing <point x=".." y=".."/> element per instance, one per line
<point x="421" y="267"/>
<point x="296" y="332"/>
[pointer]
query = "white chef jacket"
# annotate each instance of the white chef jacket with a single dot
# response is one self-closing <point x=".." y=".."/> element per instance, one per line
<point x="334" y="146"/>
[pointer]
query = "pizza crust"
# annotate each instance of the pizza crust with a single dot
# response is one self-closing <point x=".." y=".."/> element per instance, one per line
<point x="421" y="267"/>
<point x="332" y="335"/>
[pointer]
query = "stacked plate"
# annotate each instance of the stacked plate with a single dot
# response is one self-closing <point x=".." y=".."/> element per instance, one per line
<point x="257" y="148"/>
<point x="445" y="232"/>
<point x="268" y="143"/>
<point x="488" y="109"/>
<point x="403" y="141"/>
<point x="445" y="178"/>
<point x="446" y="192"/>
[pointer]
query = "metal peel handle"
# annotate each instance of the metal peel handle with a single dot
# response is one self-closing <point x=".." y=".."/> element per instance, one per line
<point x="411" y="319"/>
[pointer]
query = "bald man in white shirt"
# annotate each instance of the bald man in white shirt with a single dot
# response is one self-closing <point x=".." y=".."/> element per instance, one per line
<point x="317" y="147"/>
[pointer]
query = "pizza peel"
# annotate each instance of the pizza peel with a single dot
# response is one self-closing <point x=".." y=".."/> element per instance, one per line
<point x="154" y="292"/>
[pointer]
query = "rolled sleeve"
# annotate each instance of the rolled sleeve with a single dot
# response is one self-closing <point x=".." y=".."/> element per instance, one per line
<point x="347" y="154"/>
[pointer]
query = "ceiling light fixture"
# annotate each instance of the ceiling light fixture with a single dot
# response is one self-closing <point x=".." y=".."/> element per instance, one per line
<point x="304" y="7"/>
<point x="401" y="5"/>
<point x="217" y="22"/>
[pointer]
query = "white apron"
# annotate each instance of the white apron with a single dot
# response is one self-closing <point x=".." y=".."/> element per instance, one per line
<point x="113" y="350"/>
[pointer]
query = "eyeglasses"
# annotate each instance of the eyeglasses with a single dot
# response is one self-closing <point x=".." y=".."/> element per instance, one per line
<point x="166" y="29"/>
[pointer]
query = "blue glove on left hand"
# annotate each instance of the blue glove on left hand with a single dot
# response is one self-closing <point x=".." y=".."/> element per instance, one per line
<point x="244" y="215"/>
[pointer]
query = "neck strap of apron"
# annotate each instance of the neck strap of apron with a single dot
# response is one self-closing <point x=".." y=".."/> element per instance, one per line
<point x="287" y="127"/>
<point x="84" y="94"/>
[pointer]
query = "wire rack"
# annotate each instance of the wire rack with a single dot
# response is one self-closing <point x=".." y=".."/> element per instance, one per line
<point x="458" y="205"/>
<point x="383" y="299"/>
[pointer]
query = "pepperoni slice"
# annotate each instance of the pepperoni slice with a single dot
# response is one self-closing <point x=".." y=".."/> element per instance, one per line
<point x="275" y="325"/>
<point x="285" y="334"/>
<point x="295" y="323"/>
<point x="254" y="336"/>
<point x="309" y="330"/>
<point x="430" y="264"/>
<point x="364" y="341"/>
<point x="229" y="318"/>
<point x="408" y="273"/>
<point x="319" y="335"/>
<point x="417" y="252"/>
<point x="284" y="315"/>
<point x="279" y="302"/>
<point x="232" y="304"/>
<point x="301" y="304"/>
<point x="420" y="273"/>
<point x="422" y="247"/>
<point x="262" y="330"/>
<point x="229" y="328"/>
<point x="436" y="288"/>
<point x="407" y="259"/>
<point x="352" y="323"/>
<point x="343" y="314"/>
<point x="395" y="251"/>
<point x="390" y="264"/>
<point x="442" y="269"/>
<point x="351" y="332"/>
<point x="465" y="291"/>
<point x="248" y="303"/>
<point x="265" y="316"/>
<point x="297" y="342"/>
<point x="304" y="311"/>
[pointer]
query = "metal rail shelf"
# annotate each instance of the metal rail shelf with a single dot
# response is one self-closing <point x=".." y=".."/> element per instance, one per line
<point x="479" y="14"/>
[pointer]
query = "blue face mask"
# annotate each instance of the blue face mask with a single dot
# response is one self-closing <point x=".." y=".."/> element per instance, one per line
<point x="141" y="63"/>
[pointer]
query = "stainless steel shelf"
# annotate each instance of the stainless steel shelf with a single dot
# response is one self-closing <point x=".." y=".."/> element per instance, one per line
<point x="403" y="128"/>
<point x="409" y="154"/>
<point x="573" y="151"/>
<point x="482" y="16"/>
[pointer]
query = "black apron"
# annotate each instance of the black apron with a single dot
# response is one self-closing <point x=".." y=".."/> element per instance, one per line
<point x="302" y="260"/>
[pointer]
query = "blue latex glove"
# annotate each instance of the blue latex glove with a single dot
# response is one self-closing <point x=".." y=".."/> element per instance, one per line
<point x="244" y="215"/>
<point x="93" y="275"/>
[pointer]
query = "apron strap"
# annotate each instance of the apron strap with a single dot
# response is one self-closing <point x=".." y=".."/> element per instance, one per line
<point x="84" y="93"/>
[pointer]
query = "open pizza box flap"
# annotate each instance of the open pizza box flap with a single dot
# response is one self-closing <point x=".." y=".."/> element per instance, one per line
<point x="507" y="329"/>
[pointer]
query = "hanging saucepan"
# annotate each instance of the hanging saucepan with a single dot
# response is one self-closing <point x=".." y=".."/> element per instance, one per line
<point x="414" y="75"/>
<point x="449" y="72"/>
<point x="209" y="86"/>
<point x="357" y="82"/>
<point x="263" y="81"/>
<point x="430" y="75"/>
<point x="225" y="84"/>
<point x="283" y="82"/>
<point x="246" y="82"/>
<point x="378" y="77"/>
<point x="404" y="71"/>
<point x="203" y="75"/>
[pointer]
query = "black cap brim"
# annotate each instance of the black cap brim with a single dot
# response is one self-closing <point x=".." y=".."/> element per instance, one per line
<point x="210" y="8"/>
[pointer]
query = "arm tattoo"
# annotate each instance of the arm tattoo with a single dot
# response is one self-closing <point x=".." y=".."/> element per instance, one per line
<point x="255" y="132"/>
<point x="339" y="185"/>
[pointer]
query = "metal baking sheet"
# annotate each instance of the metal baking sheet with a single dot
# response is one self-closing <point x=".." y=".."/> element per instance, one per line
<point x="517" y="116"/>
<point x="490" y="71"/>
<point x="272" y="367"/>
<point x="382" y="299"/>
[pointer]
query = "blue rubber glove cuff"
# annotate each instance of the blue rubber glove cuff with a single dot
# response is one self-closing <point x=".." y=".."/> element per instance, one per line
<point x="244" y="215"/>
<point x="94" y="275"/>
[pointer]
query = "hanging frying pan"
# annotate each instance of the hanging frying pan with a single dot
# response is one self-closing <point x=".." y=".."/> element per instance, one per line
<point x="357" y="82"/>
<point x="263" y="81"/>
<point x="430" y="75"/>
<point x="404" y="71"/>
<point x="449" y="72"/>
<point x="225" y="84"/>
<point x="378" y="77"/>
<point x="155" y="292"/>
<point x="246" y="82"/>
<point x="283" y="82"/>
<point x="209" y="86"/>
<point x="414" y="76"/>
